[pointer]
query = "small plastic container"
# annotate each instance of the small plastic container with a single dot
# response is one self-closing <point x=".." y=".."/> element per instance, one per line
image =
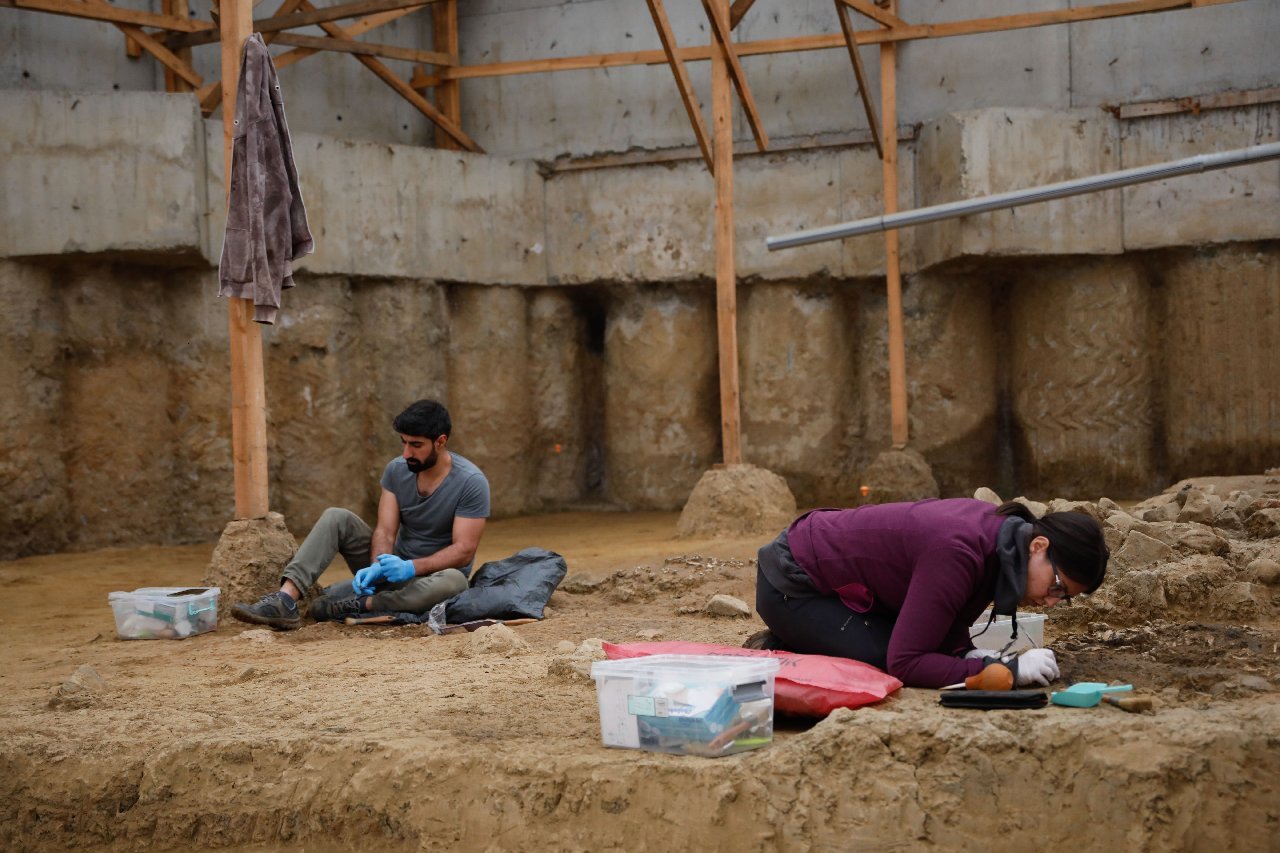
<point x="165" y="612"/>
<point x="705" y="705"/>
<point x="1030" y="632"/>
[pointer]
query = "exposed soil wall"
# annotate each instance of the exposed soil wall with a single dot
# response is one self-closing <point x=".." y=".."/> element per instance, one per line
<point x="1039" y="376"/>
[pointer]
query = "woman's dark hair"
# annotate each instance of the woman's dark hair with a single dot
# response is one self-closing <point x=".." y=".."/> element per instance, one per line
<point x="1076" y="544"/>
<point x="426" y="418"/>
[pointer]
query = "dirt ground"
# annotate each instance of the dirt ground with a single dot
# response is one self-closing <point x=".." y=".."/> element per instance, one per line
<point x="392" y="738"/>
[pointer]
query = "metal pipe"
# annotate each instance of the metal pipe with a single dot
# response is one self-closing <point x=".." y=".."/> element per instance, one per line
<point x="1016" y="198"/>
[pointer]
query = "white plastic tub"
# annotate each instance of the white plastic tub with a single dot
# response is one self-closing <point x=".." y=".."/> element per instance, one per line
<point x="689" y="704"/>
<point x="165" y="612"/>
<point x="1030" y="632"/>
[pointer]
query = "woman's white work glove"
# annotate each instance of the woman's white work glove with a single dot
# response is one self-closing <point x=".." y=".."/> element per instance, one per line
<point x="981" y="653"/>
<point x="1036" y="667"/>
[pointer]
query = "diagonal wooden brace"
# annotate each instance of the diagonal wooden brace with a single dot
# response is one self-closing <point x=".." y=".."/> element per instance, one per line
<point x="687" y="95"/>
<point x="724" y="35"/>
<point x="386" y="75"/>
<point x="850" y="38"/>
<point x="152" y="45"/>
<point x="874" y="12"/>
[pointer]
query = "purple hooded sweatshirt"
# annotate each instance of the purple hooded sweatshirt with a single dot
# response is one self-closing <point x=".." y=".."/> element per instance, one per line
<point x="933" y="563"/>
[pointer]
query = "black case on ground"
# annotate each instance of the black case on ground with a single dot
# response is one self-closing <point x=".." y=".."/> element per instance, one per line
<point x="990" y="700"/>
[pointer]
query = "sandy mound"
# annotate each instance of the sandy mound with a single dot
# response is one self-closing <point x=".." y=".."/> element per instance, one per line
<point x="898" y="475"/>
<point x="249" y="558"/>
<point x="738" y="500"/>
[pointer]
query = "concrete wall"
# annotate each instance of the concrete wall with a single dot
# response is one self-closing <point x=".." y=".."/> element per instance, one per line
<point x="328" y="93"/>
<point x="1167" y="55"/>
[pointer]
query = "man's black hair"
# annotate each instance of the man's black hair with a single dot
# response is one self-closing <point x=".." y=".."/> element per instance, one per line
<point x="426" y="418"/>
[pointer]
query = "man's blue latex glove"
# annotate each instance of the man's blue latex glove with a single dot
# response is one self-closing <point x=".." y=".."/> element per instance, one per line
<point x="366" y="579"/>
<point x="394" y="569"/>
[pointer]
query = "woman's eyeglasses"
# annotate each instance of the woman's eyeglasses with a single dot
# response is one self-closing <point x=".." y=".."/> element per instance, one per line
<point x="1058" y="589"/>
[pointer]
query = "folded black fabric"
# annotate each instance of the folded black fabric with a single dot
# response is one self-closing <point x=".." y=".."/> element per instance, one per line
<point x="990" y="700"/>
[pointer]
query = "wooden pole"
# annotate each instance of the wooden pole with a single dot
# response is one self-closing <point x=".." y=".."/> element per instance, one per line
<point x="892" y="271"/>
<point x="248" y="389"/>
<point x="444" y="39"/>
<point x="726" y="277"/>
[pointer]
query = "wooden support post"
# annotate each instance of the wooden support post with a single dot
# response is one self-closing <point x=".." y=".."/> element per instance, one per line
<point x="892" y="271"/>
<point x="172" y="82"/>
<point x="726" y="274"/>
<point x="248" y="386"/>
<point x="444" y="39"/>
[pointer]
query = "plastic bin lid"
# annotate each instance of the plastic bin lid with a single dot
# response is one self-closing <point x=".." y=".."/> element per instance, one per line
<point x="170" y="593"/>
<point x="688" y="666"/>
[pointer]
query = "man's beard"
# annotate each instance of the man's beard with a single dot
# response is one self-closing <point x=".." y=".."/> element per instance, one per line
<point x="417" y="466"/>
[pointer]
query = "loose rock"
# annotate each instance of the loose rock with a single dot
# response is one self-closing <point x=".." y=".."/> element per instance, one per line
<point x="727" y="605"/>
<point x="1140" y="550"/>
<point x="1265" y="571"/>
<point x="80" y="690"/>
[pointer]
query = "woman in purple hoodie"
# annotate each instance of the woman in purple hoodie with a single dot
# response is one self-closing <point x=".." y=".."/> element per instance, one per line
<point x="898" y="585"/>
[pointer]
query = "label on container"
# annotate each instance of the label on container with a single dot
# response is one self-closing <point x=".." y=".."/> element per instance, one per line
<point x="617" y="724"/>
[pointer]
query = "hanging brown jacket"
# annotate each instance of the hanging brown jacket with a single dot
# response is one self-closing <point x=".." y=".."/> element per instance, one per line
<point x="266" y="222"/>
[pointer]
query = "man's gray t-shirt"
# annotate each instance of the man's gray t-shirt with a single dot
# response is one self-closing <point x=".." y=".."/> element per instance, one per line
<point x="426" y="524"/>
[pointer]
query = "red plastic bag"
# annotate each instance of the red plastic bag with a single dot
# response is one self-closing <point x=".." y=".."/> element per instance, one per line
<point x="808" y="685"/>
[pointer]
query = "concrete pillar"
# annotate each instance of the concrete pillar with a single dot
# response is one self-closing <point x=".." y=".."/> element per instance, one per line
<point x="1081" y="379"/>
<point x="490" y="399"/>
<point x="662" y="427"/>
<point x="1222" y="377"/>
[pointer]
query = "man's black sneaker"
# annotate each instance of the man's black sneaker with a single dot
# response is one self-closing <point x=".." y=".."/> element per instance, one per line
<point x="276" y="610"/>
<point x="326" y="609"/>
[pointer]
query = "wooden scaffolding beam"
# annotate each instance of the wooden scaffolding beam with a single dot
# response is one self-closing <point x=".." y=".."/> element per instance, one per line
<point x="386" y="75"/>
<point x="288" y="20"/>
<point x="248" y="385"/>
<point x="726" y="272"/>
<point x="444" y="38"/>
<point x="722" y="31"/>
<point x="904" y="33"/>
<point x="860" y="74"/>
<point x="211" y="95"/>
<point x="892" y="268"/>
<point x="688" y="96"/>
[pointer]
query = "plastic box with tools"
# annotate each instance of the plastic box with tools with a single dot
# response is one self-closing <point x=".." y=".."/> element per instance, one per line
<point x="1030" y="632"/>
<point x="689" y="704"/>
<point x="165" y="612"/>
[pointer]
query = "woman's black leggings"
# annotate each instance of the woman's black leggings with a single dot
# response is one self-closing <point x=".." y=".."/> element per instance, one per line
<point x="823" y="625"/>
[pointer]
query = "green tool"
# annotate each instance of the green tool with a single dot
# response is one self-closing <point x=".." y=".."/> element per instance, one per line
<point x="1086" y="694"/>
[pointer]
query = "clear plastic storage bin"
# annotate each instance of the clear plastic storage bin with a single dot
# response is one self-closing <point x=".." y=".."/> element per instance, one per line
<point x="165" y="612"/>
<point x="690" y="704"/>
